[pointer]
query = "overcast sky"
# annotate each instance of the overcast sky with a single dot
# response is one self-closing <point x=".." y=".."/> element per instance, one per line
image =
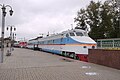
<point x="35" y="17"/>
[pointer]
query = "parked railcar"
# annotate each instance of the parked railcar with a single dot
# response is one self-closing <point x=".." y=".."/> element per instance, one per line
<point x="71" y="43"/>
<point x="22" y="44"/>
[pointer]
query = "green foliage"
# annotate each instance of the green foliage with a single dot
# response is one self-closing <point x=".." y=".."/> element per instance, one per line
<point x="81" y="18"/>
<point x="103" y="20"/>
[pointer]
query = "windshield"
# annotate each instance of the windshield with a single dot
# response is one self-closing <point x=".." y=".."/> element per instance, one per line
<point x="79" y="33"/>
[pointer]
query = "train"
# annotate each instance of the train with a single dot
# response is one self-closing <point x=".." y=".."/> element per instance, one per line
<point x="72" y="43"/>
<point x="20" y="44"/>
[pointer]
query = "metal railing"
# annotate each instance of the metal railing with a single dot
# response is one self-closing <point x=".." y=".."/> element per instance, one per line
<point x="113" y="43"/>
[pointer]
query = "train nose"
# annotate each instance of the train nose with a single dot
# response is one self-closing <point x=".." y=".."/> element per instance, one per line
<point x="84" y="39"/>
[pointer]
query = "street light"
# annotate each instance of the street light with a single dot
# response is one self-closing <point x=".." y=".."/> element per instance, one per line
<point x="12" y="34"/>
<point x="14" y="37"/>
<point x="4" y="7"/>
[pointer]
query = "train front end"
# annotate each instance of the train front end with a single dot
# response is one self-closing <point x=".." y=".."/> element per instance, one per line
<point x="81" y="43"/>
<point x="86" y="43"/>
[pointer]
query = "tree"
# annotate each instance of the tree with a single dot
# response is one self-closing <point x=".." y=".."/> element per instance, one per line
<point x="107" y="20"/>
<point x="80" y="19"/>
<point x="93" y="11"/>
<point x="115" y="33"/>
<point x="103" y="20"/>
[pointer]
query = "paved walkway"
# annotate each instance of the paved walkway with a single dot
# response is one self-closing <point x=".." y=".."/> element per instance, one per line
<point x="26" y="64"/>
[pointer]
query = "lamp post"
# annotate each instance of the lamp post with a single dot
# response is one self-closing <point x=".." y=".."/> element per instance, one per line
<point x="4" y="7"/>
<point x="14" y="36"/>
<point x="11" y="28"/>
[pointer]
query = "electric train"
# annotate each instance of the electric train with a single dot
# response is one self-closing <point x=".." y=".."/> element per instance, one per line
<point x="71" y="43"/>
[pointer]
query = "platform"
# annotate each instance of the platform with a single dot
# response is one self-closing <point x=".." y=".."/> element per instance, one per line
<point x="25" y="64"/>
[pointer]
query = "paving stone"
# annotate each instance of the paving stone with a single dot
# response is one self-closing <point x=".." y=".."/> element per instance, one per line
<point x="25" y="64"/>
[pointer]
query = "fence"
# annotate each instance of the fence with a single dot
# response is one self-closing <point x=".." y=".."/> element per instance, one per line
<point x="113" y="43"/>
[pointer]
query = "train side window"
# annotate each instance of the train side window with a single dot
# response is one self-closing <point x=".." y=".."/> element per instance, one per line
<point x="67" y="35"/>
<point x="48" y="42"/>
<point x="38" y="42"/>
<point x="61" y="39"/>
<point x="53" y="41"/>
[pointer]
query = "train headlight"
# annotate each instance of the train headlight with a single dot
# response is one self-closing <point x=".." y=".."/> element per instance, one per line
<point x="84" y="46"/>
<point x="93" y="47"/>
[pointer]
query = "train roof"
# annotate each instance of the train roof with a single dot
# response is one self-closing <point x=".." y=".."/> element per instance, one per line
<point x="58" y="34"/>
<point x="74" y="30"/>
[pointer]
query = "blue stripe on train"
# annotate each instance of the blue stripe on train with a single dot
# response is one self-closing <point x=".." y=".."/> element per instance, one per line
<point x="61" y="41"/>
<point x="52" y="51"/>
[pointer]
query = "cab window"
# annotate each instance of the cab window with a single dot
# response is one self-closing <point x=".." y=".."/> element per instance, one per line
<point x="79" y="33"/>
<point x="72" y="34"/>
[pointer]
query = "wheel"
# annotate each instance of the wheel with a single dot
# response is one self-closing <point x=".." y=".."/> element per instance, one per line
<point x="77" y="58"/>
<point x="63" y="53"/>
<point x="71" y="55"/>
<point x="74" y="56"/>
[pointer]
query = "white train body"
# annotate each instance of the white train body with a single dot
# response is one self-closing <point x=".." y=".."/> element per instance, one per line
<point x="72" y="43"/>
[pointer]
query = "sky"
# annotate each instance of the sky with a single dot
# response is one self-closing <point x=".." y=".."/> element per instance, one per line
<point x="35" y="17"/>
